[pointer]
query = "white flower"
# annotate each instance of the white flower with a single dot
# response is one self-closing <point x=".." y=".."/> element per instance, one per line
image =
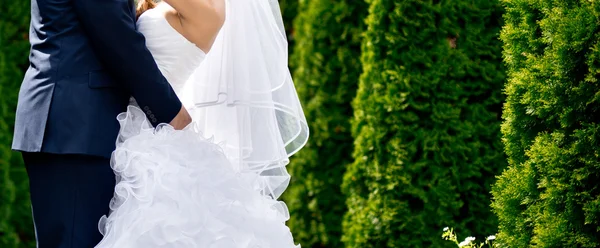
<point x="446" y="229"/>
<point x="492" y="237"/>
<point x="467" y="241"/>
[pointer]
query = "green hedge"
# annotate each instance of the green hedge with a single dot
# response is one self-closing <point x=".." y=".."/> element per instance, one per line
<point x="426" y="123"/>
<point x="550" y="196"/>
<point x="327" y="62"/>
<point x="16" y="229"/>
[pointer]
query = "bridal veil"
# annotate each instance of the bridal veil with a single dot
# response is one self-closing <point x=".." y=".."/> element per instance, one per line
<point x="243" y="95"/>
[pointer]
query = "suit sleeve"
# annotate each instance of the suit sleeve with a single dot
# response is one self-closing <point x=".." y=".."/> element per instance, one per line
<point x="111" y="28"/>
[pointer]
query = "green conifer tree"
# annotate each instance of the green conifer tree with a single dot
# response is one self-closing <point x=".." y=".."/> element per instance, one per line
<point x="327" y="67"/>
<point x="426" y="123"/>
<point x="549" y="196"/>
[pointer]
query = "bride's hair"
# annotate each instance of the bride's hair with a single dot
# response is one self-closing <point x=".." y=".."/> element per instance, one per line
<point x="144" y="5"/>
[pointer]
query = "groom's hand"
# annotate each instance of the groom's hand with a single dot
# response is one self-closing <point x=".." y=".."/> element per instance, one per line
<point x="182" y="119"/>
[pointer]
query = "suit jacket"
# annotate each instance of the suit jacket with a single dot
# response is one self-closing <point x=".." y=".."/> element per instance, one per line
<point x="86" y="60"/>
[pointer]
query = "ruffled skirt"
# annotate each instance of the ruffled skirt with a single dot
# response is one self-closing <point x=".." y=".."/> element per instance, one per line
<point x="177" y="190"/>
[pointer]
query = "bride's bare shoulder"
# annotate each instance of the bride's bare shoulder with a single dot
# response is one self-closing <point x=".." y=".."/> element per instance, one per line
<point x="171" y="15"/>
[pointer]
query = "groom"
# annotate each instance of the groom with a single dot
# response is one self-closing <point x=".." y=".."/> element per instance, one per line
<point x="86" y="60"/>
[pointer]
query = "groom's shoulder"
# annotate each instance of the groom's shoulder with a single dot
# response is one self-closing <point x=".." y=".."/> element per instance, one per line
<point x="60" y="43"/>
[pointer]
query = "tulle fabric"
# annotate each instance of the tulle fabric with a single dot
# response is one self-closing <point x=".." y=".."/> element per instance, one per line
<point x="176" y="190"/>
<point x="244" y="97"/>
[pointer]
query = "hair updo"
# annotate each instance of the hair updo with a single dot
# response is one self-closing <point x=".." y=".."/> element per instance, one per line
<point x="142" y="6"/>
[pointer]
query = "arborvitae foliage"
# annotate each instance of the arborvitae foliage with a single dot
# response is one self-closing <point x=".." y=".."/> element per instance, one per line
<point x="426" y="123"/>
<point x="550" y="196"/>
<point x="16" y="229"/>
<point x="327" y="67"/>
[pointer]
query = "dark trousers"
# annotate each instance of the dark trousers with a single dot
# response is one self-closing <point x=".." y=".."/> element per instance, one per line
<point x="69" y="194"/>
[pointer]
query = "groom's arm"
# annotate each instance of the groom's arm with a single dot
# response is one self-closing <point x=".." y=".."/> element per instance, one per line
<point x="111" y="29"/>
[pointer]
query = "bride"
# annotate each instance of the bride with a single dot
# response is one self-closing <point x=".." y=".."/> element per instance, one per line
<point x="214" y="184"/>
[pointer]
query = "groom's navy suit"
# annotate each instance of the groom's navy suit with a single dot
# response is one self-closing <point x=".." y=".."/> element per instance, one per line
<point x="86" y="60"/>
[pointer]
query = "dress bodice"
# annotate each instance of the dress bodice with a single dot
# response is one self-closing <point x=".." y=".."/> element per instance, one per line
<point x="176" y="57"/>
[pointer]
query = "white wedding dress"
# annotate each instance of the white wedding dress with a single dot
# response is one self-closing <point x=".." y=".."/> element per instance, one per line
<point x="214" y="184"/>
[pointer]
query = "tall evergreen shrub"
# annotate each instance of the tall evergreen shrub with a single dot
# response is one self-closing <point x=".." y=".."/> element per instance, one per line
<point x="426" y="123"/>
<point x="15" y="221"/>
<point x="327" y="68"/>
<point x="550" y="196"/>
